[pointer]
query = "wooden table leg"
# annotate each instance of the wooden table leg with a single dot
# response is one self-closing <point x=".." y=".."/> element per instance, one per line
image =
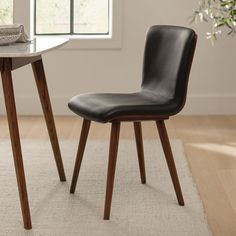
<point x="15" y="140"/>
<point x="41" y="82"/>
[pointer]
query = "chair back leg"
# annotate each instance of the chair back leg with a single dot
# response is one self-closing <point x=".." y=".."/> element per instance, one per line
<point x="170" y="160"/>
<point x="114" y="141"/>
<point x="140" y="152"/>
<point x="80" y="153"/>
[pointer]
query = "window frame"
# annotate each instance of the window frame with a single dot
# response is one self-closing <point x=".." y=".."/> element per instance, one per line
<point x="109" y="41"/>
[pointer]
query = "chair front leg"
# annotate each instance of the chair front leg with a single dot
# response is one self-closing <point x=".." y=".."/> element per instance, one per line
<point x="170" y="160"/>
<point x="80" y="153"/>
<point x="139" y="145"/>
<point x="114" y="141"/>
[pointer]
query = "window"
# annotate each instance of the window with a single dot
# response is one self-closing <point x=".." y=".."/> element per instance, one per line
<point x="6" y="11"/>
<point x="85" y="17"/>
<point x="88" y="32"/>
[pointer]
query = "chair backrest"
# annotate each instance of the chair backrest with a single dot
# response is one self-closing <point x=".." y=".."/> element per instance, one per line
<point x="168" y="58"/>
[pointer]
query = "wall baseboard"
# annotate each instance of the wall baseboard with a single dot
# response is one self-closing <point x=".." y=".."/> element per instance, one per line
<point x="213" y="104"/>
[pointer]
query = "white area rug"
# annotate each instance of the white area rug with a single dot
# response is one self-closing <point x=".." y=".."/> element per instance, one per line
<point x="137" y="210"/>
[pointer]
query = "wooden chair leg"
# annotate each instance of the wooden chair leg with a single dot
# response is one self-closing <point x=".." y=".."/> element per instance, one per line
<point x="15" y="142"/>
<point x="170" y="160"/>
<point x="139" y="145"/>
<point x="41" y="82"/>
<point x="80" y="153"/>
<point x="114" y="141"/>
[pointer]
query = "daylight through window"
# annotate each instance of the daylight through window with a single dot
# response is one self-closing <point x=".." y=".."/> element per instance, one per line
<point x="6" y="12"/>
<point x="72" y="17"/>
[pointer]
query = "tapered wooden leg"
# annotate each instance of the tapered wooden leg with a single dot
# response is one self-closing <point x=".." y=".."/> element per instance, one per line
<point x="139" y="145"/>
<point x="170" y="160"/>
<point x="15" y="141"/>
<point x="41" y="82"/>
<point x="80" y="153"/>
<point x="114" y="141"/>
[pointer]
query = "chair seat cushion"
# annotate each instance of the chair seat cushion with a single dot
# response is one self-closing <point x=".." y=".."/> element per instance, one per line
<point x="104" y="107"/>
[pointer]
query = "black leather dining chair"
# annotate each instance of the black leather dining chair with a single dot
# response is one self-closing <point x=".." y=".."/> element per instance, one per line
<point x="168" y="58"/>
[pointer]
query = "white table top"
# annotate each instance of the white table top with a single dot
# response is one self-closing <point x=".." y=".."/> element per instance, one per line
<point x="36" y="47"/>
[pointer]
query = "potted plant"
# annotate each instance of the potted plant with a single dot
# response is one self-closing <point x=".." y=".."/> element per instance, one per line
<point x="220" y="13"/>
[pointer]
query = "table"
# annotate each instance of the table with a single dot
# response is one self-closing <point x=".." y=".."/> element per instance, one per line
<point x="13" y="57"/>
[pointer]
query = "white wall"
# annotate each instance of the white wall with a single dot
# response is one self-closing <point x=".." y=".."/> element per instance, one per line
<point x="212" y="87"/>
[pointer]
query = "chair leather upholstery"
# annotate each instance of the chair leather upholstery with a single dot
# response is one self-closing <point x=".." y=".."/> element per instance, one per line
<point x="168" y="57"/>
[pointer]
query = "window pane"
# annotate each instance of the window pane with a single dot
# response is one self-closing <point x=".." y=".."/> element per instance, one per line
<point x="52" y="16"/>
<point x="91" y="16"/>
<point x="6" y="11"/>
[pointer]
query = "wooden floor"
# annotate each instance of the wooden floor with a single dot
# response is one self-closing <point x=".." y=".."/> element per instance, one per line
<point x="210" y="146"/>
